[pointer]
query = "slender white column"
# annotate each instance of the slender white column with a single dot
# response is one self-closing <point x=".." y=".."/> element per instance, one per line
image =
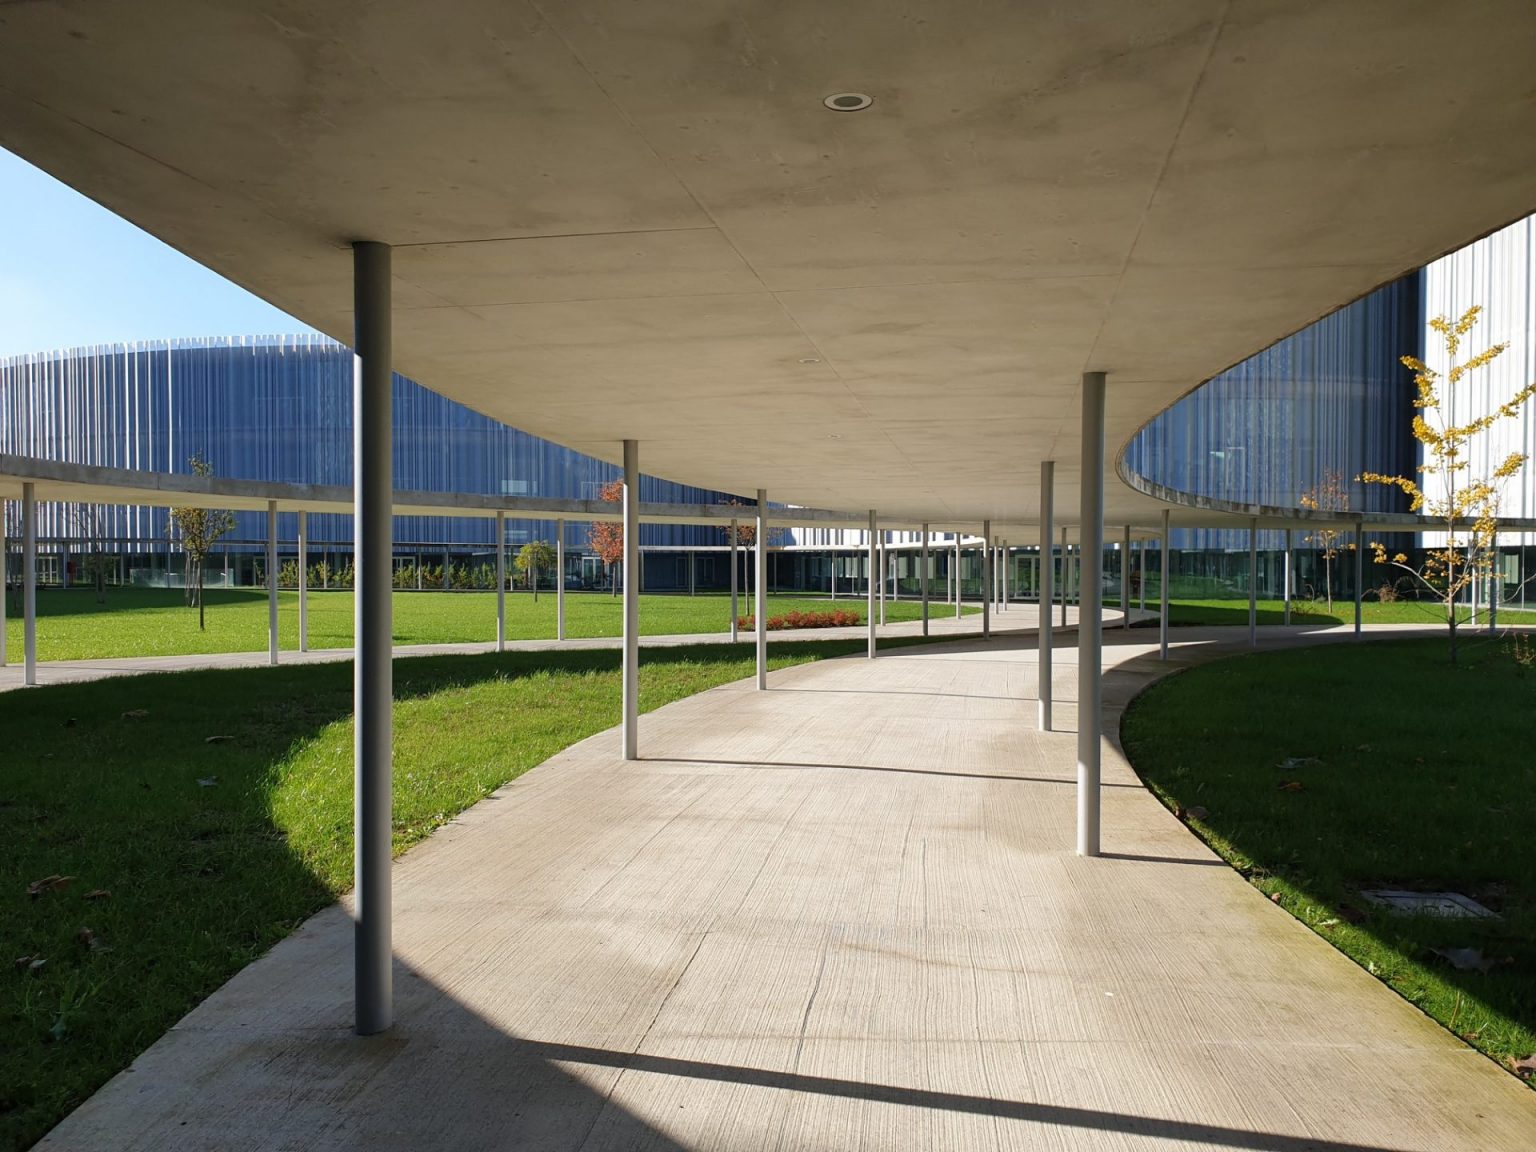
<point x="986" y="580"/>
<point x="883" y="536"/>
<point x="631" y="677"/>
<point x="869" y="611"/>
<point x="735" y="611"/>
<point x="1360" y="574"/>
<point x="559" y="579"/>
<point x="1047" y="587"/>
<point x="1090" y="674"/>
<point x="303" y="581"/>
<point x="29" y="582"/>
<point x="1142" y="560"/>
<point x="501" y="581"/>
<point x="959" y="600"/>
<point x="271" y="581"/>
<point x="1289" y="571"/>
<point x="1253" y="582"/>
<point x="760" y="593"/>
<point x="1002" y="577"/>
<point x="923" y="576"/>
<point x="1125" y="577"/>
<point x="373" y="675"/>
<point x="1162" y="592"/>
<point x="1066" y="575"/>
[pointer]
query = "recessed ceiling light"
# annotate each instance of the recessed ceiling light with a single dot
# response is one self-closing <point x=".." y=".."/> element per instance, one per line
<point x="848" y="101"/>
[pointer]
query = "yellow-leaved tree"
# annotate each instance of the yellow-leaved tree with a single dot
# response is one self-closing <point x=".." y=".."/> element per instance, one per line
<point x="1467" y="505"/>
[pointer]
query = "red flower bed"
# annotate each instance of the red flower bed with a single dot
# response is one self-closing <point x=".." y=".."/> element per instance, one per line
<point x="832" y="618"/>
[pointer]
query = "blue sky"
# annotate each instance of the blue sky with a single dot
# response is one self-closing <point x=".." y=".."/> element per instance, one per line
<point x="72" y="273"/>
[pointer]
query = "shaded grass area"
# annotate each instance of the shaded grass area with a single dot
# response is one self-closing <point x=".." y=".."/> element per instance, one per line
<point x="209" y="853"/>
<point x="1405" y="772"/>
<point x="71" y="625"/>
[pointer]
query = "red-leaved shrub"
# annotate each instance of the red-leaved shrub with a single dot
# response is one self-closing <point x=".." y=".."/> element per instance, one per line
<point x="832" y="618"/>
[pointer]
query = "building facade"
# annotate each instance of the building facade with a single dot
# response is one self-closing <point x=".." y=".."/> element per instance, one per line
<point x="280" y="408"/>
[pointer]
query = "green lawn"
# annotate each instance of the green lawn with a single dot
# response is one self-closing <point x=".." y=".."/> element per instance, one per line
<point x="210" y="853"/>
<point x="1235" y="612"/>
<point x="1412" y="774"/>
<point x="71" y="625"/>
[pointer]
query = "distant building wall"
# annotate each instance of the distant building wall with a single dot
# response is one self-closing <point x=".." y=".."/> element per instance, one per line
<point x="1331" y="399"/>
<point x="280" y="408"/>
<point x="1499" y="273"/>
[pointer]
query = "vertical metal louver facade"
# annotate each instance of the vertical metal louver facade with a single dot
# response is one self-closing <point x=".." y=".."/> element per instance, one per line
<point x="280" y="408"/>
<point x="1331" y="398"/>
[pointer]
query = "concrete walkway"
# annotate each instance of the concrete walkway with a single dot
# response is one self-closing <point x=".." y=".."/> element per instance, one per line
<point x="841" y="914"/>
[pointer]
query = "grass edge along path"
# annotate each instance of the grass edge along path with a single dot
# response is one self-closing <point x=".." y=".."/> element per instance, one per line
<point x="136" y="621"/>
<point x="202" y="816"/>
<point x="1320" y="771"/>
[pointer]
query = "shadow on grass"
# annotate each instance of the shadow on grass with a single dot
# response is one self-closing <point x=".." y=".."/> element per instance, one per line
<point x="1399" y="771"/>
<point x="157" y="794"/>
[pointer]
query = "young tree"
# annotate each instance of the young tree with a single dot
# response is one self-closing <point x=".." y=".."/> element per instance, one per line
<point x="606" y="537"/>
<point x="197" y="530"/>
<point x="1459" y="499"/>
<point x="91" y="521"/>
<point x="531" y="557"/>
<point x="1329" y="495"/>
<point x="746" y="525"/>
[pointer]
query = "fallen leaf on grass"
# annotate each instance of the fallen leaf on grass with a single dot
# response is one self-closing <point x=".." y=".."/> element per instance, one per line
<point x="1194" y="812"/>
<point x="1331" y="922"/>
<point x="135" y="713"/>
<point x="30" y="964"/>
<point x="208" y="781"/>
<point x="1464" y="959"/>
<point x="98" y="894"/>
<point x="1275" y="897"/>
<point x="1291" y="763"/>
<point x="1524" y="1068"/>
<point x="217" y="739"/>
<point x="90" y="940"/>
<point x="1290" y="785"/>
<point x="48" y="884"/>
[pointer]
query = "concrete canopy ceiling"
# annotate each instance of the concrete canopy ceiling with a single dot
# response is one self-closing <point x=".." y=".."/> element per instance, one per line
<point x="618" y="220"/>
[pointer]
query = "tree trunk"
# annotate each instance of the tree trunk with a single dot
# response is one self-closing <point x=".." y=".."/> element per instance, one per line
<point x="535" y="578"/>
<point x="201" y="624"/>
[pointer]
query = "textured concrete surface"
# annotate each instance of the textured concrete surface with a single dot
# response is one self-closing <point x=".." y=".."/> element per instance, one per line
<point x="618" y="221"/>
<point x="841" y="914"/>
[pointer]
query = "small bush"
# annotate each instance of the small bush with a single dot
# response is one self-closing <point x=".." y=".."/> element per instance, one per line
<point x="833" y="618"/>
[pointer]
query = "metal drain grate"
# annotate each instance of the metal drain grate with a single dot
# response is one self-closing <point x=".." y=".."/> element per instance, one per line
<point x="1452" y="905"/>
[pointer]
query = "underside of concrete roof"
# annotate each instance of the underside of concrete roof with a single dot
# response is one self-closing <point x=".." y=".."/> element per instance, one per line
<point x="617" y="220"/>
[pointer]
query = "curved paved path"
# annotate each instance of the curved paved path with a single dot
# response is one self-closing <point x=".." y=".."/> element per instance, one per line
<point x="841" y="914"/>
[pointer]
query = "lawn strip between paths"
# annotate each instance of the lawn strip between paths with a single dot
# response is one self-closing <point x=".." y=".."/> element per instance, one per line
<point x="71" y="625"/>
<point x="1321" y="771"/>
